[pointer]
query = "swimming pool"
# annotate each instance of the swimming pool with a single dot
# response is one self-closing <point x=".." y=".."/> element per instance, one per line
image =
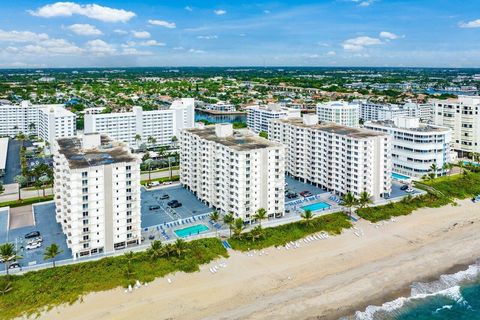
<point x="316" y="206"/>
<point x="190" y="231"/>
<point x="398" y="176"/>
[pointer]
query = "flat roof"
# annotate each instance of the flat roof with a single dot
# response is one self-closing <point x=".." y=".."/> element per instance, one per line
<point x="334" y="128"/>
<point x="3" y="153"/>
<point x="423" y="127"/>
<point x="241" y="140"/>
<point x="108" y="152"/>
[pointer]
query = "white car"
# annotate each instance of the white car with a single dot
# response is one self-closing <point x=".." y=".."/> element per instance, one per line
<point x="33" y="245"/>
<point x="409" y="190"/>
<point x="38" y="239"/>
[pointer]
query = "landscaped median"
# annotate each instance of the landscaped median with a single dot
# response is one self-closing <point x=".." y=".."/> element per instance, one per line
<point x="161" y="180"/>
<point x="33" y="291"/>
<point x="25" y="202"/>
<point x="332" y="223"/>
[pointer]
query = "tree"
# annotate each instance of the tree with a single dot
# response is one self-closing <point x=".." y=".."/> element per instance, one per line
<point x="151" y="140"/>
<point x="169" y="248"/>
<point x="31" y="126"/>
<point x="44" y="181"/>
<point x="215" y="217"/>
<point x="260" y="215"/>
<point x="349" y="201"/>
<point x="446" y="167"/>
<point x="256" y="233"/>
<point x="228" y="219"/>
<point x="307" y="216"/>
<point x="434" y="169"/>
<point x="8" y="254"/>
<point x="263" y="134"/>
<point x="138" y="139"/>
<point x="180" y="247"/>
<point x="364" y="200"/>
<point x="5" y="286"/>
<point x="149" y="163"/>
<point x="238" y="227"/>
<point x="51" y="252"/>
<point x="22" y="181"/>
<point x="2" y="188"/>
<point x="174" y="141"/>
<point x="156" y="250"/>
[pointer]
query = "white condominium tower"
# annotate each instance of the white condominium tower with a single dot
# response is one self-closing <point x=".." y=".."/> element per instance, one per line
<point x="233" y="171"/>
<point x="337" y="158"/>
<point x="462" y="115"/>
<point x="259" y="117"/>
<point x="372" y="111"/>
<point x="152" y="128"/>
<point x="97" y="194"/>
<point x="416" y="146"/>
<point x="48" y="122"/>
<point x="339" y="112"/>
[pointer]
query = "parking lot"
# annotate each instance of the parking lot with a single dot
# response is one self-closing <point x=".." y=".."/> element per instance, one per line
<point x="50" y="231"/>
<point x="297" y="186"/>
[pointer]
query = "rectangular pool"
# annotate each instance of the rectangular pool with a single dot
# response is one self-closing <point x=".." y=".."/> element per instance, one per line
<point x="398" y="176"/>
<point x="316" y="206"/>
<point x="191" y="231"/>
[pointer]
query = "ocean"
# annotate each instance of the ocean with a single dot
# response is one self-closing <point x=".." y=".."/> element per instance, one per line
<point x="453" y="296"/>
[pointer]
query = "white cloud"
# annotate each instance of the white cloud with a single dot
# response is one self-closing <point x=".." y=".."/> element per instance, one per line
<point x="266" y="11"/>
<point x="311" y="56"/>
<point x="21" y="36"/>
<point x="359" y="43"/>
<point x="93" y="11"/>
<point x="196" y="51"/>
<point x="161" y="23"/>
<point x="188" y="8"/>
<point x="220" y="12"/>
<point x="331" y="53"/>
<point x="364" y="3"/>
<point x="470" y="24"/>
<point x="389" y="35"/>
<point x="84" y="29"/>
<point x="152" y="43"/>
<point x="209" y="37"/>
<point x="141" y="34"/>
<point x="100" y="47"/>
<point x="135" y="52"/>
<point x="120" y="31"/>
<point x="178" y="48"/>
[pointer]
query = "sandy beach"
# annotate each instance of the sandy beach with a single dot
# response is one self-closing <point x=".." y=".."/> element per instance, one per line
<point x="323" y="279"/>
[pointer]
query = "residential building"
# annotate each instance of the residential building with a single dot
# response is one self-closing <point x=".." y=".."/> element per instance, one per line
<point x="3" y="155"/>
<point x="372" y="111"/>
<point x="151" y="128"/>
<point x="259" y="117"/>
<point x="337" y="158"/>
<point x="416" y="146"/>
<point x="97" y="194"/>
<point x="462" y="115"/>
<point x="339" y="112"/>
<point x="220" y="107"/>
<point x="48" y="122"/>
<point x="233" y="170"/>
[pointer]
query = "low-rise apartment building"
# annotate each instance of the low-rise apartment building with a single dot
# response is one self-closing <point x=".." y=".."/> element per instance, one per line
<point x="372" y="111"/>
<point x="339" y="112"/>
<point x="233" y="170"/>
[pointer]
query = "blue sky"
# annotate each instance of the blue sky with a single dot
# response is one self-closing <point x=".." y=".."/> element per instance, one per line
<point x="433" y="33"/>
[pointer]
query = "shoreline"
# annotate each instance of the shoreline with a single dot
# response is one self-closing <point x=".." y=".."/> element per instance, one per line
<point x="324" y="279"/>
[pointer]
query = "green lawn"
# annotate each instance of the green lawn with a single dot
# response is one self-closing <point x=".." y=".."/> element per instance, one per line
<point x="25" y="202"/>
<point x="457" y="186"/>
<point x="34" y="291"/>
<point x="161" y="170"/>
<point x="332" y="223"/>
<point x="166" y="179"/>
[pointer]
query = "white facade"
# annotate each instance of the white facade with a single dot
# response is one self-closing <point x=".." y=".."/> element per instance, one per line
<point x="97" y="194"/>
<point x="221" y="107"/>
<point x="161" y="125"/>
<point x="372" y="111"/>
<point x="416" y="146"/>
<point x="339" y="112"/>
<point x="259" y="117"/>
<point x="462" y="115"/>
<point x="3" y="155"/>
<point x="233" y="171"/>
<point x="337" y="158"/>
<point x="48" y="122"/>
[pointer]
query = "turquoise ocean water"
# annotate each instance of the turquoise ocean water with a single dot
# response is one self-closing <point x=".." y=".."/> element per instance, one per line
<point x="453" y="297"/>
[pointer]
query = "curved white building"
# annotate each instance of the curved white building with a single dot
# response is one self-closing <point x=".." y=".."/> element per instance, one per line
<point x="339" y="112"/>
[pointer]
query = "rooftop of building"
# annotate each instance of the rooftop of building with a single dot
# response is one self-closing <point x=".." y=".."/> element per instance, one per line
<point x="108" y="152"/>
<point x="338" y="104"/>
<point x="331" y="127"/>
<point x="273" y="107"/>
<point x="422" y="127"/>
<point x="241" y="140"/>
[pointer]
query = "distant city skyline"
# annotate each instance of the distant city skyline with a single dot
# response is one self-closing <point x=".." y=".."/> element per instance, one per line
<point x="381" y="33"/>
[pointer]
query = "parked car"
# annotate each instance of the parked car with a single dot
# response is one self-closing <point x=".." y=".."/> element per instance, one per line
<point x="33" y="234"/>
<point x="404" y="187"/>
<point x="176" y="205"/>
<point x="292" y="195"/>
<point x="14" y="265"/>
<point x="37" y="239"/>
<point x="305" y="193"/>
<point x="154" y="207"/>
<point x="33" y="245"/>
<point x="151" y="237"/>
<point x="170" y="203"/>
<point x="409" y="190"/>
<point x="154" y="183"/>
<point x="164" y="197"/>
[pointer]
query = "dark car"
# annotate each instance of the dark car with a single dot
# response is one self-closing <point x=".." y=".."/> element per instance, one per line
<point x="305" y="193"/>
<point x="154" y="207"/>
<point x="151" y="237"/>
<point x="164" y="197"/>
<point x="292" y="195"/>
<point x="33" y="234"/>
<point x="14" y="265"/>
<point x="404" y="187"/>
<point x="170" y="203"/>
<point x="176" y="205"/>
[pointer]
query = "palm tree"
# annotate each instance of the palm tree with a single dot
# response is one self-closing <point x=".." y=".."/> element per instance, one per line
<point x="238" y="227"/>
<point x="156" y="250"/>
<point x="149" y="163"/>
<point x="364" y="200"/>
<point x="174" y="141"/>
<point x="180" y="247"/>
<point x="8" y="254"/>
<point x="215" y="217"/>
<point x="22" y="181"/>
<point x="256" y="233"/>
<point x="5" y="286"/>
<point x="43" y="180"/>
<point x="31" y="126"/>
<point x="434" y="169"/>
<point x="307" y="216"/>
<point x="129" y="256"/>
<point x="138" y="138"/>
<point x="151" y="140"/>
<point x="228" y="219"/>
<point x="51" y="252"/>
<point x="349" y="201"/>
<point x="169" y="248"/>
<point x="446" y="167"/>
<point x="260" y="215"/>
